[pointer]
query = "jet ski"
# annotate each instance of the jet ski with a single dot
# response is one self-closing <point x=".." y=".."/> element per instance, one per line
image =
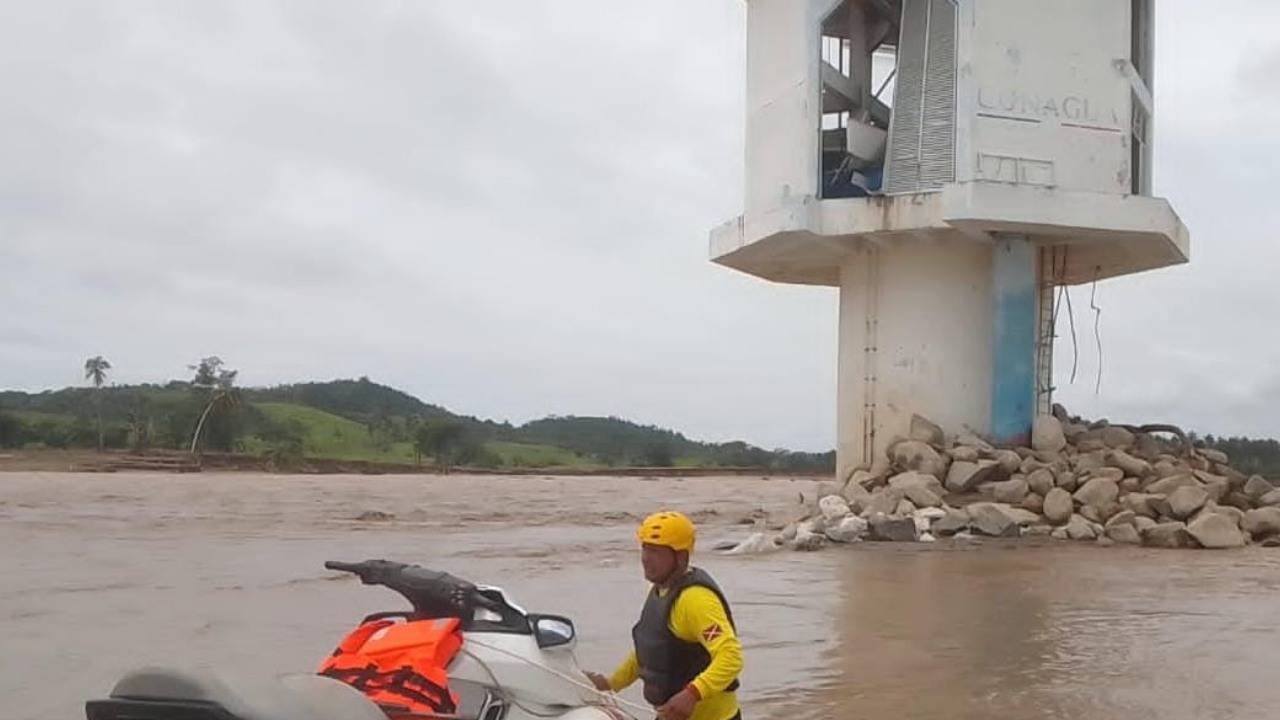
<point x="460" y="652"/>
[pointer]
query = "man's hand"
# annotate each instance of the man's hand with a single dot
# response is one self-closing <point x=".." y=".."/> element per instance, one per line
<point x="601" y="682"/>
<point x="681" y="706"/>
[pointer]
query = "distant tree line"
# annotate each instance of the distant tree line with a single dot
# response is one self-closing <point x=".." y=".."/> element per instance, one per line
<point x="1248" y="455"/>
<point x="210" y="412"/>
<point x="205" y="412"/>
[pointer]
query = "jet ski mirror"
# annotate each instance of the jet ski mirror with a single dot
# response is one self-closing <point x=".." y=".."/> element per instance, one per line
<point x="552" y="630"/>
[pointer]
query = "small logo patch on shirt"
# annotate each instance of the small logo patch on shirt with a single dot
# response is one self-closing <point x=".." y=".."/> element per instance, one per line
<point x="711" y="633"/>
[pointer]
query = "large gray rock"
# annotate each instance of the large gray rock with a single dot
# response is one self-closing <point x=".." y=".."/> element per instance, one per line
<point x="857" y="496"/>
<point x="1270" y="499"/>
<point x="927" y="431"/>
<point x="1078" y="528"/>
<point x="1236" y="515"/>
<point x="808" y="542"/>
<point x="1124" y="533"/>
<point x="1218" y="489"/>
<point x="1058" y="506"/>
<point x="1115" y="475"/>
<point x="890" y="529"/>
<point x="1022" y="516"/>
<point x="1041" y="481"/>
<point x="1090" y="441"/>
<point x="1235" y="478"/>
<point x="1160" y="503"/>
<point x="849" y="529"/>
<point x="912" y="478"/>
<point x="1130" y="465"/>
<point x="1144" y="523"/>
<point x="1074" y="431"/>
<point x="964" y="453"/>
<point x="1124" y="517"/>
<point x="1185" y="501"/>
<point x="1216" y="456"/>
<point x="1166" y="468"/>
<point x="993" y="519"/>
<point x="864" y="479"/>
<point x="789" y="532"/>
<point x="1208" y="478"/>
<point x="1215" y="531"/>
<point x="1098" y="492"/>
<point x="950" y="524"/>
<point x="905" y="507"/>
<point x="967" y="437"/>
<point x="1257" y="486"/>
<point x="1130" y="484"/>
<point x="1067" y="480"/>
<point x="834" y="508"/>
<point x="1140" y="503"/>
<point x="1011" y="491"/>
<point x="1091" y="513"/>
<point x="1167" y="535"/>
<point x="922" y="497"/>
<point x="919" y="456"/>
<point x="1117" y="438"/>
<point x="1087" y="462"/>
<point x="1010" y="461"/>
<point x="1263" y="522"/>
<point x="1047" y="434"/>
<point x="965" y="477"/>
<point x="1166" y="486"/>
<point x="1239" y="500"/>
<point x="1033" y="503"/>
<point x="1030" y="465"/>
<point x="884" y="501"/>
<point x="809" y="536"/>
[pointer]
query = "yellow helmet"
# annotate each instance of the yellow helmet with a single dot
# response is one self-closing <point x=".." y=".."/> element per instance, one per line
<point x="669" y="529"/>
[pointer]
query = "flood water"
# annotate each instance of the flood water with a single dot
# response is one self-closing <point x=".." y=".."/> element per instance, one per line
<point x="102" y="573"/>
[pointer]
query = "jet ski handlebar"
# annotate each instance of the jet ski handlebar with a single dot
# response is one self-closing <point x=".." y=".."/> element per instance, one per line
<point x="432" y="593"/>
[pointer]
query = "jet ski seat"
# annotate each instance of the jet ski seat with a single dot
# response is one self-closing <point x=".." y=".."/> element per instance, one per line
<point x="176" y="694"/>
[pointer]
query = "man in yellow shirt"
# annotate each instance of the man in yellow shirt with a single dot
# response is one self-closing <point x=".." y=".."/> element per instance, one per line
<point x="686" y="647"/>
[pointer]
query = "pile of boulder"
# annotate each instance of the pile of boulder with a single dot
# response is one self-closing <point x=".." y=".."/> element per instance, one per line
<point x="1098" y="482"/>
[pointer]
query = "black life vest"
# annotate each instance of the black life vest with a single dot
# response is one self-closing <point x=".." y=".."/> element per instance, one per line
<point x="667" y="663"/>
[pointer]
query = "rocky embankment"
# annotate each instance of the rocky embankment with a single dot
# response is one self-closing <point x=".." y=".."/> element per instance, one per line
<point x="1098" y="482"/>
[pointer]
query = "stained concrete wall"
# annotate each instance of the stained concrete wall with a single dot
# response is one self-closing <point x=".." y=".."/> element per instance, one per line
<point x="915" y="337"/>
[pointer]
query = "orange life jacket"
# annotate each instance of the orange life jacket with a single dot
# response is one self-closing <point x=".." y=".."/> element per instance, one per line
<point x="402" y="666"/>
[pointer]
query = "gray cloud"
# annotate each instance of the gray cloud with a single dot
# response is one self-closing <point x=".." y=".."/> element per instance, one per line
<point x="503" y="207"/>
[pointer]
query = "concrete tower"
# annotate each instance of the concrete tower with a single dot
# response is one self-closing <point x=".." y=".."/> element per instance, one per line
<point x="947" y="164"/>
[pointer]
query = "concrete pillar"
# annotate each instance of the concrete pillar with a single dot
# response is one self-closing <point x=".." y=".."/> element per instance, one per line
<point x="915" y="337"/>
<point x="1013" y="384"/>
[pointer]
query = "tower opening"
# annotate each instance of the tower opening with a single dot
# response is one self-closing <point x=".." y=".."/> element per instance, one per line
<point x="858" y="67"/>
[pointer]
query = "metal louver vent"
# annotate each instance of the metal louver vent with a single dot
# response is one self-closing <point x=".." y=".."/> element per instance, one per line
<point x="922" y="148"/>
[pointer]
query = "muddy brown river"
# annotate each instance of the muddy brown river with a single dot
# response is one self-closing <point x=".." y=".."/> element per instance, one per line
<point x="101" y="573"/>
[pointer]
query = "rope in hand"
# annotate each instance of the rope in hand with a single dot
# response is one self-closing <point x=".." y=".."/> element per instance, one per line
<point x="613" y="698"/>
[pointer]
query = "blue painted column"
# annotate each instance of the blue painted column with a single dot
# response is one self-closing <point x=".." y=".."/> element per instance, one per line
<point x="1013" y="378"/>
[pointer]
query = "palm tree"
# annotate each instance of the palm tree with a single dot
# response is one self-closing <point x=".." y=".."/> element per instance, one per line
<point x="222" y="391"/>
<point x="95" y="369"/>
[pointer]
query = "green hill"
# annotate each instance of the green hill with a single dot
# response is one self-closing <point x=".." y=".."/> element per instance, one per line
<point x="364" y="420"/>
<point x="326" y="435"/>
<point x="355" y="420"/>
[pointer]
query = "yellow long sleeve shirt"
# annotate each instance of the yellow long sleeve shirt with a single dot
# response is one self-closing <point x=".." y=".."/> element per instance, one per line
<point x="698" y="616"/>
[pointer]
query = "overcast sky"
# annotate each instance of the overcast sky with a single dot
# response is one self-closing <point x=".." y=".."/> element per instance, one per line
<point x="503" y="207"/>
